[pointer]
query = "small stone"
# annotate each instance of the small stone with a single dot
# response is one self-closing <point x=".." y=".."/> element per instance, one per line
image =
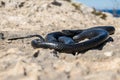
<point x="2" y="4"/>
<point x="8" y="41"/>
<point x="1" y="36"/>
<point x="108" y="54"/>
<point x="36" y="54"/>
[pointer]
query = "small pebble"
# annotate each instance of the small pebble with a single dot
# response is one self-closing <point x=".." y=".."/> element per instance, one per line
<point x="108" y="54"/>
<point x="36" y="54"/>
<point x="1" y="36"/>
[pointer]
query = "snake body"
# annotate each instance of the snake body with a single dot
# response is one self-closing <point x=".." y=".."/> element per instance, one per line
<point x="68" y="40"/>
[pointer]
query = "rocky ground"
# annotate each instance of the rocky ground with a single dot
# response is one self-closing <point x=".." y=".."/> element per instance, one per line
<point x="19" y="61"/>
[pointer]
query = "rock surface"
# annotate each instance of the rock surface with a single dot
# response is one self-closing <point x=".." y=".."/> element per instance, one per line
<point x="19" y="61"/>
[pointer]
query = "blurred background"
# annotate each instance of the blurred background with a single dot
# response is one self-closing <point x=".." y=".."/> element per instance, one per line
<point x="111" y="6"/>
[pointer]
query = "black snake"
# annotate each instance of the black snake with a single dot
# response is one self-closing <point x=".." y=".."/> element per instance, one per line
<point x="69" y="40"/>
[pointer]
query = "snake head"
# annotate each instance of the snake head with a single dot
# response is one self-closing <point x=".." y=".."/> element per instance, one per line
<point x="35" y="42"/>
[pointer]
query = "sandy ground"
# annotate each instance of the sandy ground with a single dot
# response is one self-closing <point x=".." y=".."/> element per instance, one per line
<point x="19" y="61"/>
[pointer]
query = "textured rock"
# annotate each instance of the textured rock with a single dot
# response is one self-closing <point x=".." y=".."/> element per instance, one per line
<point x="20" y="61"/>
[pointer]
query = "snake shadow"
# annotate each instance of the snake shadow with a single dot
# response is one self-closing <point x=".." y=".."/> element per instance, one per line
<point x="99" y="47"/>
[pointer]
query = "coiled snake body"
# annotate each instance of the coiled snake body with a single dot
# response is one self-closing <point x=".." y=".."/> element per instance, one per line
<point x="68" y="40"/>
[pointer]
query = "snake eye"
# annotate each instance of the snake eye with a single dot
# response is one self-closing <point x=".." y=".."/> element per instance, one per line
<point x="38" y="41"/>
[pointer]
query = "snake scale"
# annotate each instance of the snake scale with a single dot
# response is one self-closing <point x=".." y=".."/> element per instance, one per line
<point x="69" y="41"/>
